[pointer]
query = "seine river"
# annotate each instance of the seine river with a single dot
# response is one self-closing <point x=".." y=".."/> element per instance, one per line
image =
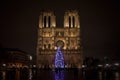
<point x="47" y="74"/>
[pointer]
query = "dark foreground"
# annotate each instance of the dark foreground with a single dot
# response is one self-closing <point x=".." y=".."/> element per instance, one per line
<point x="67" y="74"/>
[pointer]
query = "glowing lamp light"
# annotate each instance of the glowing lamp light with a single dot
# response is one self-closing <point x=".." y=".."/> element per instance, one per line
<point x="64" y="48"/>
<point x="76" y="47"/>
<point x="34" y="65"/>
<point x="65" y="66"/>
<point x="107" y="65"/>
<point x="55" y="47"/>
<point x="30" y="57"/>
<point x="116" y="64"/>
<point x="4" y="65"/>
<point x="100" y="65"/>
<point x="83" y="66"/>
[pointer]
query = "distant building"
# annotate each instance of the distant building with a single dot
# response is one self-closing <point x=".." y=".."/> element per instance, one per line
<point x="50" y="37"/>
<point x="14" y="58"/>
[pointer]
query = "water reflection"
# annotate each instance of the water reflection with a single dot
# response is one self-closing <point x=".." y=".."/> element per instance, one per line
<point x="30" y="74"/>
<point x="17" y="76"/>
<point x="59" y="75"/>
<point x="72" y="74"/>
<point x="117" y="76"/>
<point x="3" y="75"/>
<point x="108" y="75"/>
<point x="100" y="75"/>
<point x="90" y="75"/>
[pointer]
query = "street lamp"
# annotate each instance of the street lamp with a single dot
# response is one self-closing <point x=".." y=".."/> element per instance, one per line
<point x="4" y="65"/>
<point x="30" y="57"/>
<point x="100" y="65"/>
<point x="83" y="66"/>
<point x="116" y="64"/>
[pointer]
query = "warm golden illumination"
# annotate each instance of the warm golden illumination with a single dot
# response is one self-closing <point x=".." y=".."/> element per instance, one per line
<point x="51" y="37"/>
<point x="76" y="47"/>
<point x="55" y="48"/>
<point x="66" y="24"/>
<point x="64" y="48"/>
<point x="43" y="48"/>
<point x="54" y="25"/>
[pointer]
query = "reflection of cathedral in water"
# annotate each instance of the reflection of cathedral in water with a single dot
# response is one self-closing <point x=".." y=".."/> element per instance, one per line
<point x="50" y="37"/>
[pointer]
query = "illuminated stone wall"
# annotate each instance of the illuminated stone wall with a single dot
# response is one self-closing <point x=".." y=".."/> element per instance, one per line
<point x="50" y="37"/>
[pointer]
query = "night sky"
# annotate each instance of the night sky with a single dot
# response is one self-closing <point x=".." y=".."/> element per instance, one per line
<point x="99" y="24"/>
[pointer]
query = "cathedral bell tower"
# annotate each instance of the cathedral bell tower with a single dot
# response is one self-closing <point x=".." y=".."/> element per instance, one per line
<point x="50" y="37"/>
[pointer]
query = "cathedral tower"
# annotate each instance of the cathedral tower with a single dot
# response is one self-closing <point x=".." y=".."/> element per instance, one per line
<point x="50" y="37"/>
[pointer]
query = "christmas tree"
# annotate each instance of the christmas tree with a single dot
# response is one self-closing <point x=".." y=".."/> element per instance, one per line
<point x="59" y="60"/>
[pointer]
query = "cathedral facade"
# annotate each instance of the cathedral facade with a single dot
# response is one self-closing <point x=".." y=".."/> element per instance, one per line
<point x="50" y="37"/>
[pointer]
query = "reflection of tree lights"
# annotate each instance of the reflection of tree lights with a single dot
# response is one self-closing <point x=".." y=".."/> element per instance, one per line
<point x="106" y="64"/>
<point x="76" y="47"/>
<point x="59" y="75"/>
<point x="30" y="74"/>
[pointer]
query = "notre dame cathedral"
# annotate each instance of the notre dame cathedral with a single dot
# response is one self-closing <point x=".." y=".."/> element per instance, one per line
<point x="50" y="37"/>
